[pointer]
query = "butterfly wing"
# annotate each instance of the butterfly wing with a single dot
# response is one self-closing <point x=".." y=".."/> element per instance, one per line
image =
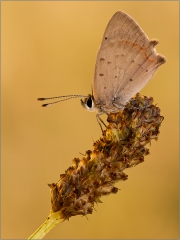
<point x="125" y="62"/>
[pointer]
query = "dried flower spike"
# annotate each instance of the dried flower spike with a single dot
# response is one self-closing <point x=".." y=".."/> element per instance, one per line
<point x="121" y="146"/>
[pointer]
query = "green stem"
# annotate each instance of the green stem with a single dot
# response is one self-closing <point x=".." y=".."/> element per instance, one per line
<point x="50" y="223"/>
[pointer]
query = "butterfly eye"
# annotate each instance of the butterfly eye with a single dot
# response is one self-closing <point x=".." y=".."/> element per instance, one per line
<point x="89" y="102"/>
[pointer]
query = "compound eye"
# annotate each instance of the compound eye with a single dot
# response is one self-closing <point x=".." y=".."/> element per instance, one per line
<point x="89" y="102"/>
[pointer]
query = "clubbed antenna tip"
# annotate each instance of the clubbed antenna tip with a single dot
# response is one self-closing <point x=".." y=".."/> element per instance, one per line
<point x="45" y="105"/>
<point x="41" y="99"/>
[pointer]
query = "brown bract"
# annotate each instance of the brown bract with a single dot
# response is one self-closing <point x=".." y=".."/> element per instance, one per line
<point x="121" y="146"/>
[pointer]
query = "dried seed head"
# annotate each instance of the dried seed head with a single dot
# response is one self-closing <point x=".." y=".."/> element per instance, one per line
<point x="121" y="146"/>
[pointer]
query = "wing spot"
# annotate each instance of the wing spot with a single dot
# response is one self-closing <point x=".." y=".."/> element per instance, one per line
<point x="109" y="62"/>
<point x="102" y="59"/>
<point x="104" y="87"/>
<point x="161" y="59"/>
<point x="133" y="61"/>
<point x="115" y="76"/>
<point x="154" y="42"/>
<point x="101" y="74"/>
<point x="105" y="38"/>
<point x="134" y="44"/>
<point x="122" y="55"/>
<point x="146" y="70"/>
<point x="130" y="79"/>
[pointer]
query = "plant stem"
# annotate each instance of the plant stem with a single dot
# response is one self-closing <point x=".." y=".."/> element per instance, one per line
<point x="50" y="223"/>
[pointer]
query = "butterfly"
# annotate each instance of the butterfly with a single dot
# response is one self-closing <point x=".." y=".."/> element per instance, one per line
<point x="126" y="61"/>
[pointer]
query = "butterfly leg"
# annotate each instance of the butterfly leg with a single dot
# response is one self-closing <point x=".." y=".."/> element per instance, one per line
<point x="99" y="120"/>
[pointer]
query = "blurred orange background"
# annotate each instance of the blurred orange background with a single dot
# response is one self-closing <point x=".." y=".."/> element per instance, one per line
<point x="49" y="49"/>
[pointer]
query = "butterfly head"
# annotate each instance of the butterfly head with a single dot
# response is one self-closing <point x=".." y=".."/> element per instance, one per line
<point x="89" y="103"/>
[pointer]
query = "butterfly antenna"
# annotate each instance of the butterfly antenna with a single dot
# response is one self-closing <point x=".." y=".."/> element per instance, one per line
<point x="67" y="97"/>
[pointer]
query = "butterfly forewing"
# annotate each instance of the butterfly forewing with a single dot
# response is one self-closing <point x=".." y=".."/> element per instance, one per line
<point x="126" y="61"/>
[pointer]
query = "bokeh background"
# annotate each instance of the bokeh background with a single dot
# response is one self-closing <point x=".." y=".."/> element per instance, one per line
<point x="49" y="49"/>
